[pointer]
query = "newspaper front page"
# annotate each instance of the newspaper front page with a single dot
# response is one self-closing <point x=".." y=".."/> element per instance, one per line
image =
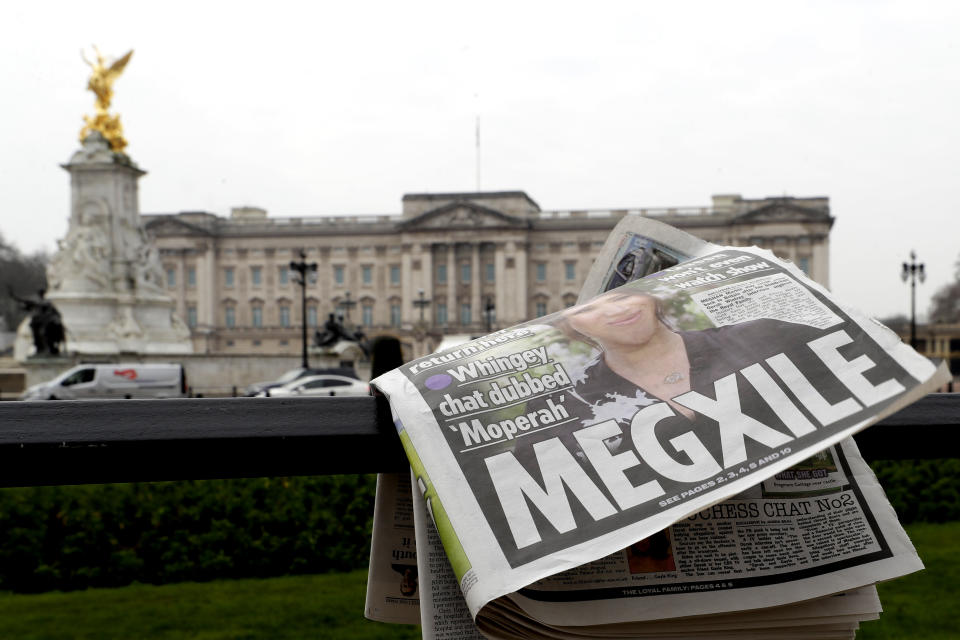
<point x="558" y="446"/>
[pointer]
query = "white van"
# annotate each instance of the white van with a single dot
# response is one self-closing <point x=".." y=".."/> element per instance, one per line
<point x="124" y="380"/>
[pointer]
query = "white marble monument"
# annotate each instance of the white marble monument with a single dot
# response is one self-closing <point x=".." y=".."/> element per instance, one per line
<point x="106" y="278"/>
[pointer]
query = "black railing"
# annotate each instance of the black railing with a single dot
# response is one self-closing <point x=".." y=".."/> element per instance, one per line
<point x="64" y="442"/>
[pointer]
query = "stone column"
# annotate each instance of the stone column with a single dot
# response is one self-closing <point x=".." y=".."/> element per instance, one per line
<point x="324" y="291"/>
<point x="453" y="316"/>
<point x="181" y="295"/>
<point x="207" y="286"/>
<point x="426" y="281"/>
<point x="407" y="292"/>
<point x="499" y="274"/>
<point x="520" y="299"/>
<point x="476" y="313"/>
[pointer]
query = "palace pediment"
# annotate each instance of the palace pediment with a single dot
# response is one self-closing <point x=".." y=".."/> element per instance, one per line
<point x="463" y="215"/>
<point x="783" y="212"/>
<point x="170" y="226"/>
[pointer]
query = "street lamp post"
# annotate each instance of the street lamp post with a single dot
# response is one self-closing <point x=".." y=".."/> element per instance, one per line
<point x="913" y="270"/>
<point x="422" y="303"/>
<point x="303" y="268"/>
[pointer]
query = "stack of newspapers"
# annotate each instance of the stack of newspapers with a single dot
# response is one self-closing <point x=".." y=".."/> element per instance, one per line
<point x="669" y="458"/>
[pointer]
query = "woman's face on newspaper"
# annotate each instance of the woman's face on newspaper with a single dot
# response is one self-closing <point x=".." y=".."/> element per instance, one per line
<point x="617" y="318"/>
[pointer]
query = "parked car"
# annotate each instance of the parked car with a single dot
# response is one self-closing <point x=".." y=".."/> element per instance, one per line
<point x="257" y="388"/>
<point x="123" y="380"/>
<point x="319" y="386"/>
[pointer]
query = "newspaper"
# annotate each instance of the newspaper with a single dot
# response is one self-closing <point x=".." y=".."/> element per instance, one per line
<point x="787" y="540"/>
<point x="553" y="456"/>
<point x="741" y="543"/>
<point x="392" y="584"/>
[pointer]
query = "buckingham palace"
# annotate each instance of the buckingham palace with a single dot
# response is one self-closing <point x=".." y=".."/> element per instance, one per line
<point x="447" y="264"/>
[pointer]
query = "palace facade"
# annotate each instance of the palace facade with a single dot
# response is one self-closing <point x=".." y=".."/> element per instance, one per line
<point x="937" y="341"/>
<point x="447" y="264"/>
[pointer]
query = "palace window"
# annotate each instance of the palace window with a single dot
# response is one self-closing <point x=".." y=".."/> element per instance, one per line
<point x="257" y="318"/>
<point x="570" y="270"/>
<point x="466" y="316"/>
<point x="230" y="317"/>
<point x="285" y="315"/>
<point x="338" y="274"/>
<point x="192" y="316"/>
<point x="394" y="274"/>
<point x="256" y="276"/>
<point x="171" y="277"/>
<point x="228" y="277"/>
<point x="541" y="272"/>
<point x="442" y="273"/>
<point x="442" y="313"/>
<point x="191" y="276"/>
<point x="284" y="276"/>
<point x="366" y="313"/>
<point x="395" y="314"/>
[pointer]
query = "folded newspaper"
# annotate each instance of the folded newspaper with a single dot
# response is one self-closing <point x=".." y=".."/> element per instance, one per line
<point x="669" y="457"/>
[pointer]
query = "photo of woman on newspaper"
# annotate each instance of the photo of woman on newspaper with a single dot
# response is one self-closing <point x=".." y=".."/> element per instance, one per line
<point x="642" y="358"/>
<point x="636" y="344"/>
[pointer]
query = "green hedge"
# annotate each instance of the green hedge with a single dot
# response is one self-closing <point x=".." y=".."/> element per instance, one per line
<point x="74" y="537"/>
<point x="110" y="535"/>
<point x="921" y="490"/>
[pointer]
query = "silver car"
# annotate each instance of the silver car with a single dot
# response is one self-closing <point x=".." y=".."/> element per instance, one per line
<point x="319" y="386"/>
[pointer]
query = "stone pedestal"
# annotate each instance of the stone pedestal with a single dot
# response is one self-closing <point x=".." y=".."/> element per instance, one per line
<point x="106" y="279"/>
<point x="340" y="352"/>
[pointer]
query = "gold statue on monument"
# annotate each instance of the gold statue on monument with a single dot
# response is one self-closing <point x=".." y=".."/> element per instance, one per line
<point x="101" y="83"/>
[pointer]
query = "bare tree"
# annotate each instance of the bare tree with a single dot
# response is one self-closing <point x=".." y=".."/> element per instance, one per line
<point x="945" y="305"/>
<point x="20" y="275"/>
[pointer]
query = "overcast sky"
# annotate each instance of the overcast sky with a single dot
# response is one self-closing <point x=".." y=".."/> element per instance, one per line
<point x="341" y="108"/>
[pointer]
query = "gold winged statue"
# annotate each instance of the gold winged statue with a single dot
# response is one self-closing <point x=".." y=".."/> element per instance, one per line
<point x="101" y="84"/>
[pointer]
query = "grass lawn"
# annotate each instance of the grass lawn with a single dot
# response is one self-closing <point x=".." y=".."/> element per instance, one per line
<point x="925" y="604"/>
<point x="921" y="606"/>
<point x="290" y="608"/>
